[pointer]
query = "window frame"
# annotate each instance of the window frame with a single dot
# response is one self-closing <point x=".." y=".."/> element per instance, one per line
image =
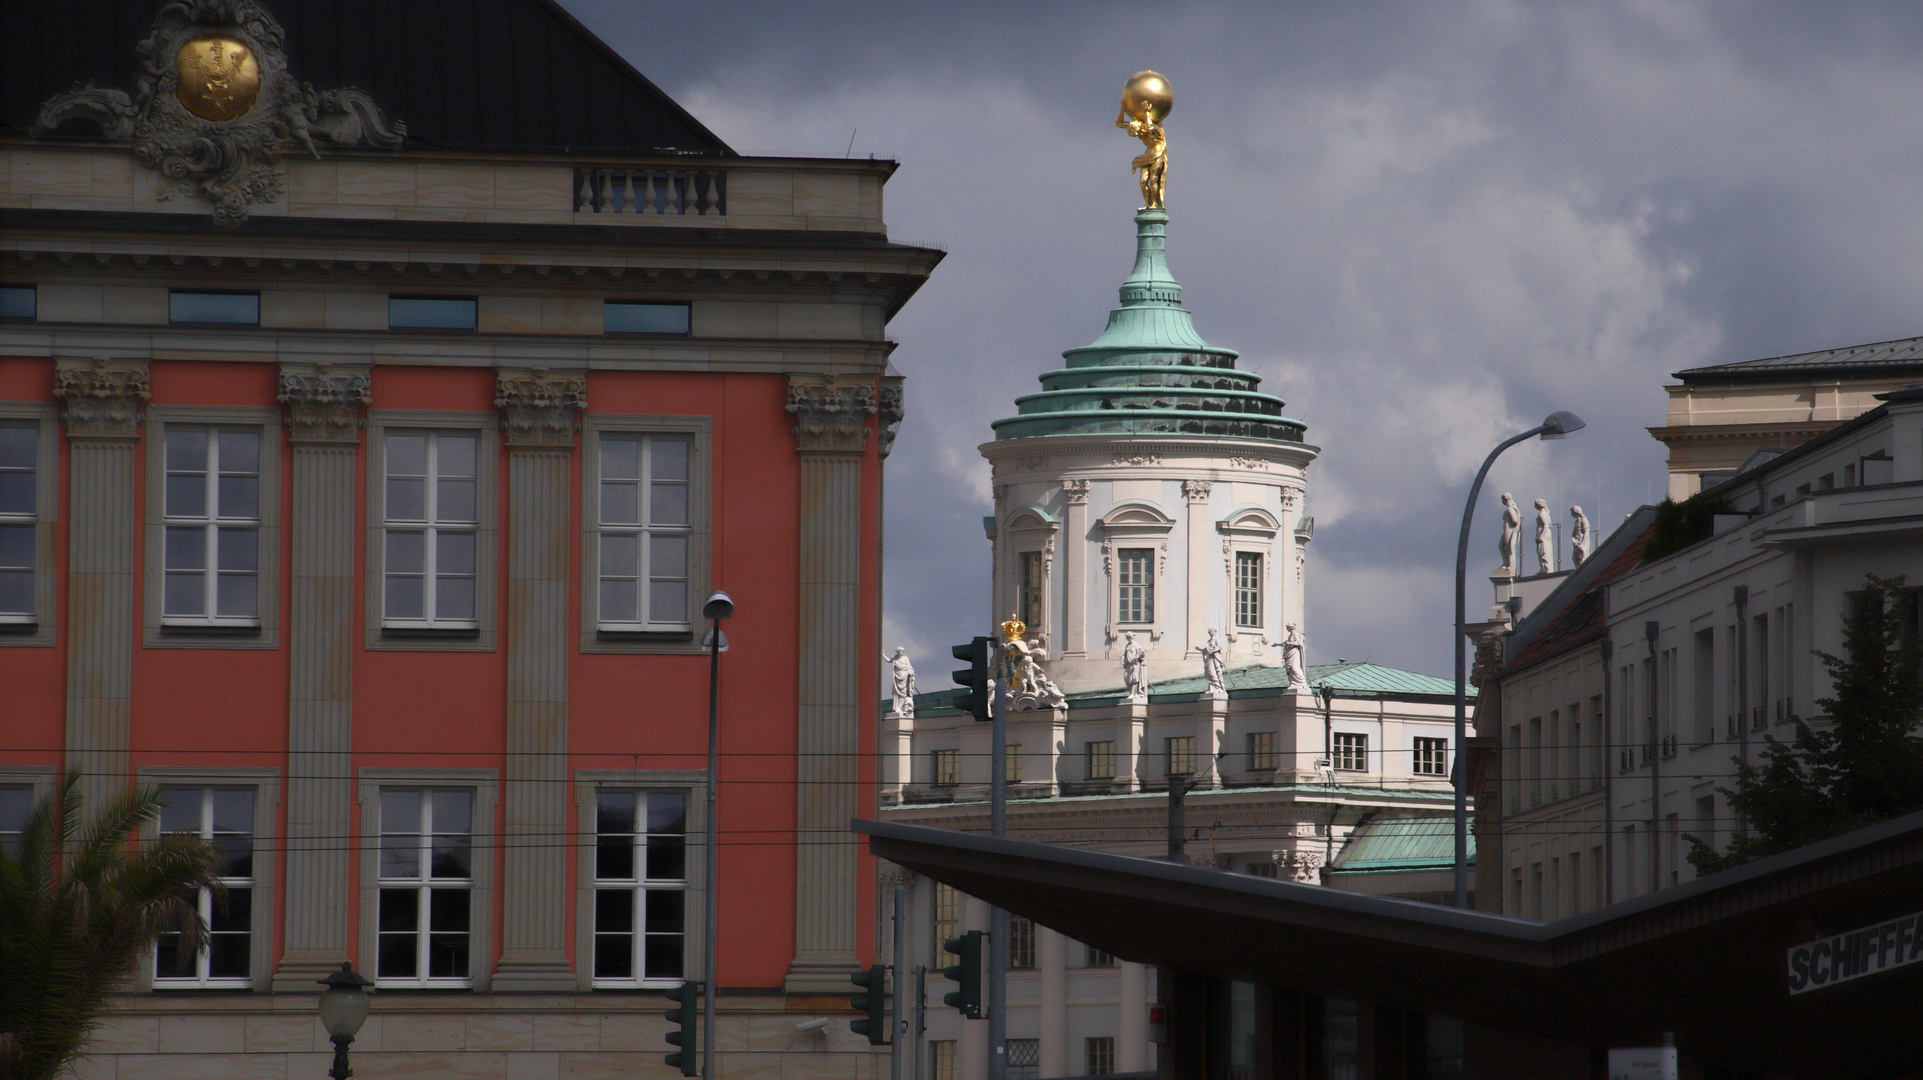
<point x="161" y="631"/>
<point x="40" y="630"/>
<point x="1135" y="524"/>
<point x="1090" y="755"/>
<point x="936" y="759"/>
<point x="39" y="781"/>
<point x="1188" y="752"/>
<point x="1098" y="1052"/>
<point x="487" y="570"/>
<point x="595" y="638"/>
<point x="588" y="785"/>
<point x="485" y="786"/>
<point x="266" y="904"/>
<point x="1031" y="531"/>
<point x="1355" y="750"/>
<point x="1251" y="530"/>
<point x="1023" y="944"/>
<point x="1264" y="758"/>
<point x="1439" y="747"/>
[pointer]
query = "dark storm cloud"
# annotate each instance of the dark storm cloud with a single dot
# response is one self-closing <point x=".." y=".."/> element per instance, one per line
<point x="1426" y="225"/>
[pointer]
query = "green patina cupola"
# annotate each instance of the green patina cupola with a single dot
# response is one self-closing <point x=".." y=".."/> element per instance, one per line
<point x="1149" y="372"/>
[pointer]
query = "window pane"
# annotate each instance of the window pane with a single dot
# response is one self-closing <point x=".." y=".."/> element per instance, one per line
<point x="18" y="302"/>
<point x="15" y="804"/>
<point x="453" y="811"/>
<point x="240" y="451"/>
<point x="186" y="594"/>
<point x="228" y="954"/>
<point x="237" y="596"/>
<point x="454" y="501"/>
<point x="186" y="450"/>
<point x="186" y="548"/>
<point x="171" y="961"/>
<point x="669" y="459"/>
<point x="239" y="849"/>
<point x="400" y="910"/>
<point x="397" y="958"/>
<point x="16" y="592"/>
<point x="614" y="911"/>
<point x="16" y="493"/>
<point x="423" y="314"/>
<point x="664" y="911"/>
<point x="613" y="956"/>
<point x="454" y="553"/>
<point x="455" y="454"/>
<point x="19" y="445"/>
<point x="620" y="555"/>
<point x="406" y="499"/>
<point x="454" y="598"/>
<point x="614" y="812"/>
<point x="664" y="955"/>
<point x="238" y="913"/>
<point x="448" y="910"/>
<point x="180" y="810"/>
<point x="453" y="857"/>
<point x="620" y="458"/>
<point x="618" y="601"/>
<point x="614" y="857"/>
<point x="407" y="455"/>
<point x="447" y="956"/>
<point x="187" y="495"/>
<point x="401" y="856"/>
<point x="668" y="602"/>
<point x="400" y="811"/>
<point x="667" y="812"/>
<point x="668" y="504"/>
<point x="404" y="597"/>
<point x="192" y="307"/>
<point x="668" y="556"/>
<point x="620" y="502"/>
<point x="667" y="858"/>
<point x="16" y="545"/>
<point x="233" y="810"/>
<point x="644" y="318"/>
<point x="406" y="552"/>
<point x="239" y="549"/>
<point x="239" y="496"/>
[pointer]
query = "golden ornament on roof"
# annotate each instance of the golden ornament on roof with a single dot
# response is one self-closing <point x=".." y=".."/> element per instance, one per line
<point x="218" y="77"/>
<point x="1146" y="101"/>
<point x="1014" y="628"/>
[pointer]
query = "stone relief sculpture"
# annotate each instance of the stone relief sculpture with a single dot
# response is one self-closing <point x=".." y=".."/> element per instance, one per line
<point x="1292" y="646"/>
<point x="1029" y="687"/>
<point x="904" y="682"/>
<point x="1578" y="537"/>
<point x="1213" y="668"/>
<point x="1511" y="532"/>
<point x="1543" y="554"/>
<point x="1134" y="670"/>
<point x="215" y="108"/>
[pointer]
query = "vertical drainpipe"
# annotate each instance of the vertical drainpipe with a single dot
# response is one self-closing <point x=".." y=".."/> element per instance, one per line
<point x="1740" y="595"/>
<point x="1607" y="722"/>
<point x="1651" y="631"/>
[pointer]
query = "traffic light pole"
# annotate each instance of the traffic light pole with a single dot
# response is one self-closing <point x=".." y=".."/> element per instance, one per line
<point x="899" y="1051"/>
<point x="997" y="917"/>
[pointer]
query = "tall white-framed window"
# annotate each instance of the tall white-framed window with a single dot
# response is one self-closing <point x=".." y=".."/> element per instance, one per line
<point x="425" y="910"/>
<point x="1135" y="586"/>
<point x="645" y="496"/>
<point x="646" y="527"/>
<point x="431" y="538"/>
<point x="1028" y="597"/>
<point x="640" y="887"/>
<point x="427" y="876"/>
<point x="1248" y="590"/>
<point x="28" y="506"/>
<point x="1351" y="752"/>
<point x="212" y="517"/>
<point x="224" y="816"/>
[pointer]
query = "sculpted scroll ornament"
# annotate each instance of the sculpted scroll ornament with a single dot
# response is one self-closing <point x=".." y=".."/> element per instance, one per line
<point x="215" y="108"/>
<point x="539" y="408"/>
<point x="325" y="405"/>
<point x="893" y="409"/>
<point x="831" y="414"/>
<point x="102" y="396"/>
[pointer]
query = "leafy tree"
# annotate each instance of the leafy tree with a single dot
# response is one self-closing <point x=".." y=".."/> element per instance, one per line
<point x="1865" y="767"/>
<point x="79" y="902"/>
<point x="1678" y="525"/>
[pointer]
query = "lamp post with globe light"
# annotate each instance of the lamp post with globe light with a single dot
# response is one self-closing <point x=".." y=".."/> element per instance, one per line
<point x="343" y="1009"/>
<point x="1555" y="426"/>
<point x="719" y="606"/>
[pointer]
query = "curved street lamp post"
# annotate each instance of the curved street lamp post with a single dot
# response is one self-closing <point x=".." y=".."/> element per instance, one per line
<point x="1555" y="426"/>
<point x="719" y="606"/>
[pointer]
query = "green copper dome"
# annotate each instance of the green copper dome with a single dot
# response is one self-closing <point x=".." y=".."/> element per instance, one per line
<point x="1150" y="372"/>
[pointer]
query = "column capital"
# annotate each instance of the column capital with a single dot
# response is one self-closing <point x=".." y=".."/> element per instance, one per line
<point x="831" y="412"/>
<point x="1076" y="491"/>
<point x="324" y="403"/>
<point x="1197" y="490"/>
<point x="893" y="409"/>
<point x="102" y="396"/>
<point x="539" y="407"/>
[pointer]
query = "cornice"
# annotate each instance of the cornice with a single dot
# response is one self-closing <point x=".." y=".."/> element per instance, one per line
<point x="1803" y="429"/>
<point x="1229" y="449"/>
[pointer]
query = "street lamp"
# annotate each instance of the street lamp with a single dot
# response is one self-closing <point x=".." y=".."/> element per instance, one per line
<point x="343" y="1009"/>
<point x="719" y="606"/>
<point x="1555" y="426"/>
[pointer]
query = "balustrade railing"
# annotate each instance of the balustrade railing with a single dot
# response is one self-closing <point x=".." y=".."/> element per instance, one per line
<point x="669" y="192"/>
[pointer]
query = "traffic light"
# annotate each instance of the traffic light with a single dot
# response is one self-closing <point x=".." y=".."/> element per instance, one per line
<point x="967" y="973"/>
<point x="873" y="1000"/>
<point x="686" y="1013"/>
<point x="974" y="700"/>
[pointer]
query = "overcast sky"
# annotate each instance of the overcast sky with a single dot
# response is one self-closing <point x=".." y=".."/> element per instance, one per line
<point x="1426" y="225"/>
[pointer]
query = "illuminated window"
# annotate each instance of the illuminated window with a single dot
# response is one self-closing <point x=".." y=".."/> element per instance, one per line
<point x="1432" y="757"/>
<point x="1181" y="754"/>
<point x="1101" y="760"/>
<point x="947" y="767"/>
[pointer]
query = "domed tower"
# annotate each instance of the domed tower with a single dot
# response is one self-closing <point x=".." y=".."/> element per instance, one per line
<point x="1149" y="489"/>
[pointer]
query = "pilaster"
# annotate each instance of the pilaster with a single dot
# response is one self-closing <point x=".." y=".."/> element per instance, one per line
<point x="1196" y="494"/>
<point x="1131" y="724"/>
<point x="831" y="434"/>
<point x="1075" y="569"/>
<point x="101" y="401"/>
<point x="540" y="414"/>
<point x="325" y="408"/>
<point x="1131" y="1033"/>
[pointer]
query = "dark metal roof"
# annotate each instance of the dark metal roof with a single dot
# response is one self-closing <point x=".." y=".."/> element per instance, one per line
<point x="472" y="74"/>
<point x="1683" y="959"/>
<point x="1899" y="358"/>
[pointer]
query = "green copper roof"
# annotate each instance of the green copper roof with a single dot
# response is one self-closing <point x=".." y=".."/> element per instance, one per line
<point x="1349" y="680"/>
<point x="1150" y="372"/>
<point x="1405" y="843"/>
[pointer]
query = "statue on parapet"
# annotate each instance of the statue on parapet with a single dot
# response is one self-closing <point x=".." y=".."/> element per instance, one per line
<point x="1213" y="668"/>
<point x="1134" y="670"/>
<point x="1029" y="687"/>
<point x="1543" y="554"/>
<point x="1292" y="646"/>
<point x="1578" y="537"/>
<point x="904" y="682"/>
<point x="1511" y="532"/>
<point x="1146" y="101"/>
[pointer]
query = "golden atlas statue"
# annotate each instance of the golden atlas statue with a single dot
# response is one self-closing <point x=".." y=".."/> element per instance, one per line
<point x="1146" y="101"/>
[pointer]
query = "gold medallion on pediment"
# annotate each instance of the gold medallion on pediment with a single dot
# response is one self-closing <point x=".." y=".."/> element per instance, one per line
<point x="219" y="77"/>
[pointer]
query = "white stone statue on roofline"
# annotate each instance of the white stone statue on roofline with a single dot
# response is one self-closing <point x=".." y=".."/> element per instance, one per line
<point x="1213" y="669"/>
<point x="1578" y="537"/>
<point x="1511" y="532"/>
<point x="1134" y="670"/>
<point x="1292" y="646"/>
<point x="1029" y="688"/>
<point x="904" y="682"/>
<point x="1543" y="555"/>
